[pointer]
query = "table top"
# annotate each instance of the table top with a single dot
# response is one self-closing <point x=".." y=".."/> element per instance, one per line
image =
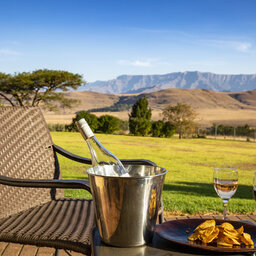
<point x="159" y="247"/>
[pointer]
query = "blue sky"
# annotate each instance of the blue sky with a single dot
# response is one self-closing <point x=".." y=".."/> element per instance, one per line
<point x="104" y="39"/>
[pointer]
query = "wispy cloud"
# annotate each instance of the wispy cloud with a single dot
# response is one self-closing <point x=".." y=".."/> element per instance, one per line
<point x="218" y="41"/>
<point x="235" y="45"/>
<point x="144" y="63"/>
<point x="9" y="52"/>
<point x="243" y="47"/>
<point x="135" y="63"/>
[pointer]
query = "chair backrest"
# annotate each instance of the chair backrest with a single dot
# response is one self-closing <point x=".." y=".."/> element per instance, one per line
<point x="25" y="152"/>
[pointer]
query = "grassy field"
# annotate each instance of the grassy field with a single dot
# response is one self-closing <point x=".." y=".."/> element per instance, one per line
<point x="188" y="185"/>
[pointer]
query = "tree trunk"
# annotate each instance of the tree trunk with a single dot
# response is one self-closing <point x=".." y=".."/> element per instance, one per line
<point x="6" y="98"/>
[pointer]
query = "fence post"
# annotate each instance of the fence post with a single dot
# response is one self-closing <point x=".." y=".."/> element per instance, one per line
<point x="216" y="126"/>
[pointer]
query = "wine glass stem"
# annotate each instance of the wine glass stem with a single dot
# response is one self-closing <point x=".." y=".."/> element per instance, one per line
<point x="225" y="207"/>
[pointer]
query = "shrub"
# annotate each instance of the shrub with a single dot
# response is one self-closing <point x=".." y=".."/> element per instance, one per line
<point x="91" y="119"/>
<point x="168" y="129"/>
<point x="108" y="124"/>
<point x="157" y="128"/>
<point x="124" y="125"/>
<point x="162" y="129"/>
<point x="58" y="127"/>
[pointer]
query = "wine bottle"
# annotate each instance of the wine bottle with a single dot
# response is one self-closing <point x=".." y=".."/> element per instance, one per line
<point x="103" y="161"/>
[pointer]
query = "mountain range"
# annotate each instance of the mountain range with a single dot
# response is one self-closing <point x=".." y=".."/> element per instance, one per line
<point x="130" y="84"/>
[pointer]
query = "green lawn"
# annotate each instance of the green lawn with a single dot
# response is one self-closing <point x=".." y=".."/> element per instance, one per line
<point x="188" y="184"/>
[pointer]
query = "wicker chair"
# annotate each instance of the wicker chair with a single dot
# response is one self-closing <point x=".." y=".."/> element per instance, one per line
<point x="33" y="209"/>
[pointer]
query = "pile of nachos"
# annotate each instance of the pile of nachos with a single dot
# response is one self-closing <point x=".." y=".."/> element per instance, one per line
<point x="224" y="235"/>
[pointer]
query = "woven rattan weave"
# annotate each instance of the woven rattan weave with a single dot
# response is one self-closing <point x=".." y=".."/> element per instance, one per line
<point x="63" y="224"/>
<point x="26" y="153"/>
<point x="36" y="215"/>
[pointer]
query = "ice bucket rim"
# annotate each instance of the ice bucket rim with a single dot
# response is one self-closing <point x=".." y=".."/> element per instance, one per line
<point x="138" y="177"/>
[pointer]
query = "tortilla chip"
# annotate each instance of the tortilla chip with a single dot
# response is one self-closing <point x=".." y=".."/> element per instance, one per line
<point x="227" y="226"/>
<point x="240" y="230"/>
<point x="211" y="237"/>
<point x="232" y="234"/>
<point x="194" y="236"/>
<point x="246" y="238"/>
<point x="224" y="244"/>
<point x="206" y="224"/>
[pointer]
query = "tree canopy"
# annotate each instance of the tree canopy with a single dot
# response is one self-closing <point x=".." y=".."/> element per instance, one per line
<point x="139" y="118"/>
<point x="181" y="116"/>
<point x="108" y="124"/>
<point x="162" y="129"/>
<point x="37" y="87"/>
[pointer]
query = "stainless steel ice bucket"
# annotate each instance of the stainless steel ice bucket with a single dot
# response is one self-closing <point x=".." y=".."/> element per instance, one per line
<point x="127" y="207"/>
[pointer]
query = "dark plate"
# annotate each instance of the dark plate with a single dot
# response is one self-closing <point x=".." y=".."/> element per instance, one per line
<point x="176" y="231"/>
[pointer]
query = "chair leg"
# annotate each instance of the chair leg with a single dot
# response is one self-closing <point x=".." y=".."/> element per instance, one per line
<point x="67" y="253"/>
<point x="57" y="252"/>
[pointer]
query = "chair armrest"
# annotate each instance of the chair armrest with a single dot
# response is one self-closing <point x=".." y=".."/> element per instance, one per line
<point x="84" y="160"/>
<point x="71" y="156"/>
<point x="54" y="183"/>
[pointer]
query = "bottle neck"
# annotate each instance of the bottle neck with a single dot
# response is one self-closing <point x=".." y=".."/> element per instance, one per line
<point x="99" y="154"/>
<point x="84" y="129"/>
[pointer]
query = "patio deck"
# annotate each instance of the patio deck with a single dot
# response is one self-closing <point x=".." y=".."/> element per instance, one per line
<point x="11" y="249"/>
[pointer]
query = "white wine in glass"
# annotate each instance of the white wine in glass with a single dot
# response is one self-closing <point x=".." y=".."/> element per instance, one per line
<point x="225" y="182"/>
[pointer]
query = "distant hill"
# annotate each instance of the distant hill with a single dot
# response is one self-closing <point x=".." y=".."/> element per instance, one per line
<point x="197" y="98"/>
<point x="237" y="108"/>
<point x="130" y="84"/>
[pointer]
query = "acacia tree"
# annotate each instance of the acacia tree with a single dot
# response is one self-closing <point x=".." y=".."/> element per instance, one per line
<point x="37" y="87"/>
<point x="181" y="116"/>
<point x="139" y="118"/>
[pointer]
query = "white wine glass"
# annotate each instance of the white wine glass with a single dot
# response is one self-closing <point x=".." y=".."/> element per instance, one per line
<point x="225" y="181"/>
